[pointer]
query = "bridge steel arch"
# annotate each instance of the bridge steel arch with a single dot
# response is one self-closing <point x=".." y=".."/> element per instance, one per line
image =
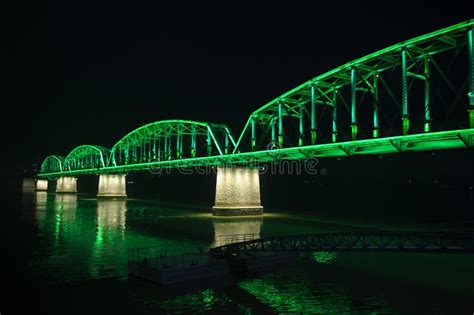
<point x="86" y="157"/>
<point x="334" y="101"/>
<point x="167" y="140"/>
<point x="52" y="164"/>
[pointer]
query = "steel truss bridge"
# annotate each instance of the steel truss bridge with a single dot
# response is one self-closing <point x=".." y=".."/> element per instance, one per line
<point x="413" y="96"/>
<point x="366" y="240"/>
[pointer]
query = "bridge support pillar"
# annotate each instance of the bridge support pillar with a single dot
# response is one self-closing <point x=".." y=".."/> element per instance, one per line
<point x="112" y="186"/>
<point x="66" y="184"/>
<point x="41" y="184"/>
<point x="237" y="192"/>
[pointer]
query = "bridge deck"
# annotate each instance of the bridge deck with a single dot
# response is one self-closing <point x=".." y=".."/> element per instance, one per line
<point x="453" y="139"/>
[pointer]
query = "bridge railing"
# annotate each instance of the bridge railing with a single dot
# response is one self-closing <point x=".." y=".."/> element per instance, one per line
<point x="234" y="238"/>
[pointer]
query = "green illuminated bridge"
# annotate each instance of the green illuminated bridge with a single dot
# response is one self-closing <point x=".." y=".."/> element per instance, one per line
<point x="413" y="96"/>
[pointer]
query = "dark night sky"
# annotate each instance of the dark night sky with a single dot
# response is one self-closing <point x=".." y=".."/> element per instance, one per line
<point x="89" y="73"/>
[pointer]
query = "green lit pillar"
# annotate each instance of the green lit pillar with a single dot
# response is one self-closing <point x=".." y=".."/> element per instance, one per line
<point x="280" y="123"/>
<point x="470" y="41"/>
<point x="193" y="141"/>
<point x="254" y="140"/>
<point x="300" y="139"/>
<point x="353" y="104"/>
<point x="334" y="116"/>
<point x="375" y="132"/>
<point x="405" y="119"/>
<point x="427" y="126"/>
<point x="313" y="114"/>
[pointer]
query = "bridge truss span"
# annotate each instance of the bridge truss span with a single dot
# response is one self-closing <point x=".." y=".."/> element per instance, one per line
<point x="171" y="139"/>
<point x="52" y="164"/>
<point x="394" y="91"/>
<point x="87" y="157"/>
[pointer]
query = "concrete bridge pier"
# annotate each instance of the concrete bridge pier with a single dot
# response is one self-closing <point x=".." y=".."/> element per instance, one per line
<point x="41" y="184"/>
<point x="66" y="184"/>
<point x="237" y="192"/>
<point x="112" y="186"/>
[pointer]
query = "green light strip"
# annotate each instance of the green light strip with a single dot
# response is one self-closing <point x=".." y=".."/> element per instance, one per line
<point x="418" y="142"/>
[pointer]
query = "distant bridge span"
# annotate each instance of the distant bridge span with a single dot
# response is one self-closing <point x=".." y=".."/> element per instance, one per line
<point x="365" y="240"/>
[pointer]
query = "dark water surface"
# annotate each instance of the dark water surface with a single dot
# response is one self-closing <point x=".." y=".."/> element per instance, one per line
<point x="68" y="254"/>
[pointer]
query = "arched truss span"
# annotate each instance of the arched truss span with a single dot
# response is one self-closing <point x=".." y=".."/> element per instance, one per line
<point x="172" y="139"/>
<point x="86" y="157"/>
<point x="52" y="164"/>
<point x="370" y="97"/>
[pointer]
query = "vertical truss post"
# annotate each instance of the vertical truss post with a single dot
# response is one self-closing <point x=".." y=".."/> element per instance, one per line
<point x="353" y="104"/>
<point x="313" y="114"/>
<point x="154" y="149"/>
<point x="209" y="143"/>
<point x="470" y="40"/>
<point x="334" y="116"/>
<point x="226" y="149"/>
<point x="149" y="152"/>
<point x="375" y="132"/>
<point x="159" y="150"/>
<point x="405" y="119"/>
<point x="426" y="66"/>
<point x="273" y="130"/>
<point x="165" y="149"/>
<point x="127" y="152"/>
<point x="300" y="139"/>
<point x="254" y="140"/>
<point x="178" y="141"/>
<point x="280" y="123"/>
<point x="170" y="155"/>
<point x="193" y="141"/>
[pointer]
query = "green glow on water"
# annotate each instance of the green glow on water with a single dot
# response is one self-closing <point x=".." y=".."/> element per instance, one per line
<point x="325" y="257"/>
<point x="296" y="295"/>
<point x="57" y="225"/>
<point x="201" y="301"/>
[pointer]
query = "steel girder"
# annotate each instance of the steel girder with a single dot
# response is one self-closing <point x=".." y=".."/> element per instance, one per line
<point x="165" y="141"/>
<point x="52" y="164"/>
<point x="86" y="157"/>
<point x="410" y="143"/>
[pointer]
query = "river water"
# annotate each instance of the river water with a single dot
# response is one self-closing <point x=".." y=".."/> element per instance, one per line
<point x="69" y="253"/>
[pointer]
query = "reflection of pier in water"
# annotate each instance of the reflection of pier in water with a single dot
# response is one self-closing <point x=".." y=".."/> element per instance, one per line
<point x="226" y="229"/>
<point x="109" y="237"/>
<point x="111" y="214"/>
